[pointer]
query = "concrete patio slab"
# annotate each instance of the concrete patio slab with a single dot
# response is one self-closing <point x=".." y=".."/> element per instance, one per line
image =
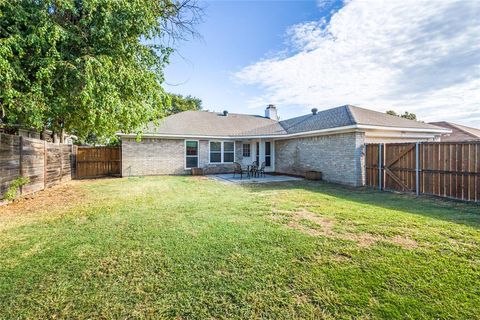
<point x="228" y="177"/>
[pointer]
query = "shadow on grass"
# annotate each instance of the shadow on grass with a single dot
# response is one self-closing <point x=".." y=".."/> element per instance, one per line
<point x="447" y="210"/>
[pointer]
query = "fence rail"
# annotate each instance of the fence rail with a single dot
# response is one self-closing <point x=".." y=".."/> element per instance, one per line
<point x="444" y="169"/>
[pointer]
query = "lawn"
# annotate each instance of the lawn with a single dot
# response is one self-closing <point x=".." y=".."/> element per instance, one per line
<point x="192" y="248"/>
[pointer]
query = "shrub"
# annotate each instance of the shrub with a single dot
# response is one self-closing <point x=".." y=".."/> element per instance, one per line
<point x="12" y="191"/>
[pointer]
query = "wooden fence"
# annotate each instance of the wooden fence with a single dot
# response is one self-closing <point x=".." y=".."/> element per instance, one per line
<point x="44" y="163"/>
<point x="95" y="162"/>
<point x="444" y="169"/>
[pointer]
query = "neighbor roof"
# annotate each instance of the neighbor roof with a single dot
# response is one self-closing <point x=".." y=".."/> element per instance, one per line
<point x="459" y="132"/>
<point x="203" y="123"/>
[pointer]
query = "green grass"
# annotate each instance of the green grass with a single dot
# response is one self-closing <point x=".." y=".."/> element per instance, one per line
<point x="185" y="247"/>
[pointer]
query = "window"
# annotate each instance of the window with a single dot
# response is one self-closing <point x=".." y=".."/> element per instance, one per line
<point x="222" y="152"/>
<point x="268" y="154"/>
<point x="191" y="154"/>
<point x="246" y="150"/>
<point x="228" y="151"/>
<point x="215" y="151"/>
<point x="257" y="153"/>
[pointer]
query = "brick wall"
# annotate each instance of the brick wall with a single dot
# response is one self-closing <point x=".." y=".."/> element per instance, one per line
<point x="152" y="157"/>
<point x="339" y="157"/>
<point x="167" y="156"/>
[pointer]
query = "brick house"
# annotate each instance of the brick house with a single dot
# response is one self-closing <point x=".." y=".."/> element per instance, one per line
<point x="331" y="141"/>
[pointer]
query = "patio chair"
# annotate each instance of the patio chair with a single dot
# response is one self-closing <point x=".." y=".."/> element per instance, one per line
<point x="239" y="170"/>
<point x="253" y="168"/>
<point x="261" y="170"/>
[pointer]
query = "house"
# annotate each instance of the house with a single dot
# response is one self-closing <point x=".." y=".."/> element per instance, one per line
<point x="330" y="141"/>
<point x="459" y="133"/>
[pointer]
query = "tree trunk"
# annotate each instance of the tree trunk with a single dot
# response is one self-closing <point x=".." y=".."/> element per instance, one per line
<point x="62" y="135"/>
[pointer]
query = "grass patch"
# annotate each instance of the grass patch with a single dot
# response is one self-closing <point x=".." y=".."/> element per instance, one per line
<point x="189" y="247"/>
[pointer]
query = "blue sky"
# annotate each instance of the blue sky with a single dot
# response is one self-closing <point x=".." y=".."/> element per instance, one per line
<point x="421" y="56"/>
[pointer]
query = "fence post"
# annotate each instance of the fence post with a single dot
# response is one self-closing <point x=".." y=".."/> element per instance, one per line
<point x="61" y="161"/>
<point x="417" y="169"/>
<point x="20" y="167"/>
<point x="45" y="156"/>
<point x="380" y="147"/>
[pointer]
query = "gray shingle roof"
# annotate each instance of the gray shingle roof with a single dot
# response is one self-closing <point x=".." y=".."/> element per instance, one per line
<point x="203" y="123"/>
<point x="349" y="115"/>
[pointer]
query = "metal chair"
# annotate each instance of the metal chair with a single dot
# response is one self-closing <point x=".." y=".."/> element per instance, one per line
<point x="253" y="168"/>
<point x="239" y="170"/>
<point x="261" y="170"/>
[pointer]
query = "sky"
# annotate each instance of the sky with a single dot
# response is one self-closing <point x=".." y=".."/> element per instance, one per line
<point x="417" y="56"/>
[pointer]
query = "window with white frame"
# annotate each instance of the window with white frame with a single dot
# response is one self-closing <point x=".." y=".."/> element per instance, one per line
<point x="222" y="151"/>
<point x="191" y="154"/>
<point x="228" y="151"/>
<point x="246" y="150"/>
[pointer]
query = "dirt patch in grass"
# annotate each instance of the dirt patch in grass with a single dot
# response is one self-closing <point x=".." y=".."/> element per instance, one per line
<point x="404" y="242"/>
<point x="54" y="200"/>
<point x="324" y="227"/>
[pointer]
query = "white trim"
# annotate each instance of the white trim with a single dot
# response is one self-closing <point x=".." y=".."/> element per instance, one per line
<point x="185" y="153"/>
<point x="222" y="149"/>
<point x="290" y="135"/>
<point x="440" y="130"/>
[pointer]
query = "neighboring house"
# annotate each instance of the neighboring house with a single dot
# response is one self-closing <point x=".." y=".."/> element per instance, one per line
<point x="330" y="141"/>
<point x="459" y="133"/>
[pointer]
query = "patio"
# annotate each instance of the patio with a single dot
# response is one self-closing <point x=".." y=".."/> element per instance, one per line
<point x="228" y="177"/>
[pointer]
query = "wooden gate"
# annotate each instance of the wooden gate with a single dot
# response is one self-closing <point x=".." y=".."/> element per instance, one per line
<point x="445" y="169"/>
<point x="96" y="162"/>
<point x="399" y="165"/>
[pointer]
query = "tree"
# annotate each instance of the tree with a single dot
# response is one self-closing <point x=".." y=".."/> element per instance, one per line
<point x="410" y="116"/>
<point x="406" y="115"/>
<point x="87" y="66"/>
<point x="179" y="103"/>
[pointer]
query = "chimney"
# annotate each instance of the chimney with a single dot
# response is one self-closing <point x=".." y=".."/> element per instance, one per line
<point x="314" y="111"/>
<point x="271" y="112"/>
<point x="225" y="113"/>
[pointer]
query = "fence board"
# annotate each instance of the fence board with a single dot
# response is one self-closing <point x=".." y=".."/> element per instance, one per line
<point x="35" y="159"/>
<point x="445" y="169"/>
<point x="94" y="162"/>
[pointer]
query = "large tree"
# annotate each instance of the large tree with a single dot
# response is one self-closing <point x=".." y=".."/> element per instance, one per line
<point x="179" y="103"/>
<point x="90" y="67"/>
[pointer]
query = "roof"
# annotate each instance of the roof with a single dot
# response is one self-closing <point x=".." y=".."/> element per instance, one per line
<point x="459" y="132"/>
<point x="347" y="116"/>
<point x="203" y="123"/>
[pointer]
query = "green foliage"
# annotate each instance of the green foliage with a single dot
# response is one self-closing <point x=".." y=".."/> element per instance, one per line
<point x="13" y="189"/>
<point x="179" y="103"/>
<point x="406" y="115"/>
<point x="84" y="66"/>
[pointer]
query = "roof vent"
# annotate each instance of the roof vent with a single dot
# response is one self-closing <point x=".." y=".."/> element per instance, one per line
<point x="225" y="113"/>
<point x="314" y="111"/>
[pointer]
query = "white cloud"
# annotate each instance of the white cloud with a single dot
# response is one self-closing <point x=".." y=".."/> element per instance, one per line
<point x="420" y="56"/>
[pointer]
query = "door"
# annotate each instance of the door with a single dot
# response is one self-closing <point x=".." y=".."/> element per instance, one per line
<point x="265" y="152"/>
